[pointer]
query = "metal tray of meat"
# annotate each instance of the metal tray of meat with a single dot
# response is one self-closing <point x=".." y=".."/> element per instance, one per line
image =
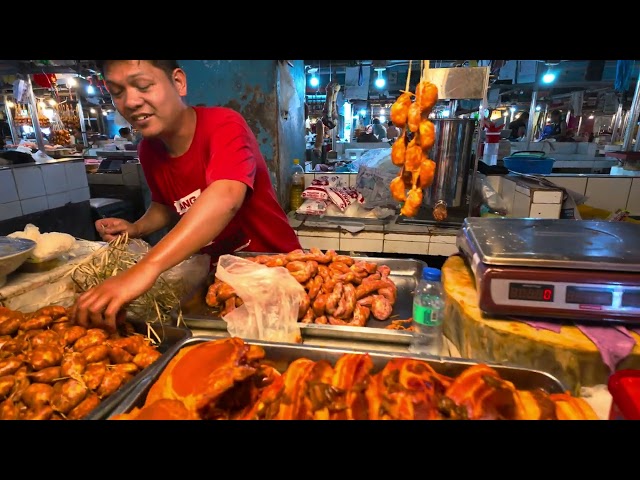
<point x="405" y="273"/>
<point x="280" y="355"/>
<point x="172" y="339"/>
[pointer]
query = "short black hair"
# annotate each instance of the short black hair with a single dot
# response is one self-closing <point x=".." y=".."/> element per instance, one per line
<point x="124" y="131"/>
<point x="168" y="66"/>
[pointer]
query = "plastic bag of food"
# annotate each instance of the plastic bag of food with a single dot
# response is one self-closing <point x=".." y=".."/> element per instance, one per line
<point x="271" y="299"/>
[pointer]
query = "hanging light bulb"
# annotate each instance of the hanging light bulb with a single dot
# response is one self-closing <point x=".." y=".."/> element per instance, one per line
<point x="313" y="81"/>
<point x="380" y="81"/>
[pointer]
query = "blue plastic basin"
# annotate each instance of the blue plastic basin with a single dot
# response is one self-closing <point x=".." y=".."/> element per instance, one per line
<point x="529" y="162"/>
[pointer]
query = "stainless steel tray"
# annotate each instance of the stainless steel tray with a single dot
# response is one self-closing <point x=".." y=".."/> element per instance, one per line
<point x="172" y="340"/>
<point x="280" y="355"/>
<point x="405" y="273"/>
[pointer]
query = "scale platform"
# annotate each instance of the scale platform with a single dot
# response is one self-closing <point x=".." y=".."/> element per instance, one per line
<point x="567" y="269"/>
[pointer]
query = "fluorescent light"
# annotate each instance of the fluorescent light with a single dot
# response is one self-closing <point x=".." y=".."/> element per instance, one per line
<point x="363" y="112"/>
<point x="380" y="82"/>
<point x="314" y="82"/>
<point x="538" y="108"/>
<point x="90" y="90"/>
<point x="549" y="77"/>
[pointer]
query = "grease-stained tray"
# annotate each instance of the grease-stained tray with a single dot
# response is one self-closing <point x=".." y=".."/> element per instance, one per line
<point x="405" y="273"/>
<point x="280" y="355"/>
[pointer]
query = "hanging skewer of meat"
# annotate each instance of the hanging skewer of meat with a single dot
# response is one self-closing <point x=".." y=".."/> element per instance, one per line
<point x="417" y="170"/>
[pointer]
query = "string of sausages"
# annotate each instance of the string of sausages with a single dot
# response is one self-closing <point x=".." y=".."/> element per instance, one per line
<point x="339" y="289"/>
<point x="410" y="112"/>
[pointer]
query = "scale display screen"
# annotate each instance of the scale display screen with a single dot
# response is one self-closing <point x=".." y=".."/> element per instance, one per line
<point x="532" y="292"/>
<point x="631" y="299"/>
<point x="589" y="296"/>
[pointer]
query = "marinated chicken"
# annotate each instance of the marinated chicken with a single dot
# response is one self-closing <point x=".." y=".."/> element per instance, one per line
<point x="229" y="379"/>
<point x="52" y="369"/>
<point x="411" y="154"/>
<point x="334" y="284"/>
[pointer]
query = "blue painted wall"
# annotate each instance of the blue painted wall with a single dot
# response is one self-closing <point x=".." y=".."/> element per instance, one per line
<point x="251" y="87"/>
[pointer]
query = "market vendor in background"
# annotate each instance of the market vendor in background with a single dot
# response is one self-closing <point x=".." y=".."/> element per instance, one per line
<point x="556" y="128"/>
<point x="204" y="168"/>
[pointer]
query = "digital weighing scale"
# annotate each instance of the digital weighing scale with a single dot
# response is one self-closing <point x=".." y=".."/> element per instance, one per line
<point x="571" y="269"/>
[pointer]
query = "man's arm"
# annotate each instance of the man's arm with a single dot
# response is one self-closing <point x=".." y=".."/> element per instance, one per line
<point x="205" y="220"/>
<point x="156" y="217"/>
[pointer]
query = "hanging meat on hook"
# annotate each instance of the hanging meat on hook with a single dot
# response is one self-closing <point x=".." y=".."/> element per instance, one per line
<point x="330" y="117"/>
<point x="410" y="151"/>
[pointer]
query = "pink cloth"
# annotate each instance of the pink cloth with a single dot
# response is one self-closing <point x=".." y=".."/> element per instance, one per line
<point x="614" y="342"/>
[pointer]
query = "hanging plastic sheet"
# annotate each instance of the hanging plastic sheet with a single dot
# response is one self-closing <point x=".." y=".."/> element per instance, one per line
<point x="623" y="75"/>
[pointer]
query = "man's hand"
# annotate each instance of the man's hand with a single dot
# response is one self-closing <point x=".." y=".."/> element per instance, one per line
<point x="99" y="306"/>
<point x="110" y="228"/>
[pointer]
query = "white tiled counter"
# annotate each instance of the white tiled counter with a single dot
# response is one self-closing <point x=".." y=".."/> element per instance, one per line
<point x="376" y="239"/>
<point x="32" y="188"/>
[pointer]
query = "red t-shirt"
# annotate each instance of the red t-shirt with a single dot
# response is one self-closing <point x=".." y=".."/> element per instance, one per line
<point x="223" y="148"/>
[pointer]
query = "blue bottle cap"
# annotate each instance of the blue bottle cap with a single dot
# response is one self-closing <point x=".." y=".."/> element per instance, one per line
<point x="432" y="274"/>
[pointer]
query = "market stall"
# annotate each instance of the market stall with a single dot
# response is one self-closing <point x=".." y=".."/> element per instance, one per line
<point x="313" y="333"/>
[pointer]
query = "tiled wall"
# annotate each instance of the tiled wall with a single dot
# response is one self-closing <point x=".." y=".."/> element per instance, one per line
<point x="347" y="179"/>
<point x="29" y="189"/>
<point x="606" y="192"/>
<point x="381" y="242"/>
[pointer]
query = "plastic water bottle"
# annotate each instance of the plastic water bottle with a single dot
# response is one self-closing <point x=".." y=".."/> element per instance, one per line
<point x="428" y="308"/>
<point x="297" y="185"/>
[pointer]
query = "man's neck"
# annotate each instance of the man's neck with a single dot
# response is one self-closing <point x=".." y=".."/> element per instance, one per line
<point x="178" y="141"/>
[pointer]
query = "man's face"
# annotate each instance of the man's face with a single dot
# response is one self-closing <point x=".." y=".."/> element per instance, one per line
<point x="145" y="96"/>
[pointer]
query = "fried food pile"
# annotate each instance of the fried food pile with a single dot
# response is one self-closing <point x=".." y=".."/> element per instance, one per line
<point x="53" y="369"/>
<point x="410" y="150"/>
<point x="340" y="290"/>
<point x="229" y="379"/>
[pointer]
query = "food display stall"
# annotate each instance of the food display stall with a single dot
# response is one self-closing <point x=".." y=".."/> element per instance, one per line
<point x="323" y="332"/>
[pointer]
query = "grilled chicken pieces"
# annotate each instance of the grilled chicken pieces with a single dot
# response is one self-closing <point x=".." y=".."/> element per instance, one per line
<point x="229" y="379"/>
<point x="412" y="156"/>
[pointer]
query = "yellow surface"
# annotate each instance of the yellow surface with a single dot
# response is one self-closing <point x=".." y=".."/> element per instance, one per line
<point x="592" y="213"/>
<point x="569" y="355"/>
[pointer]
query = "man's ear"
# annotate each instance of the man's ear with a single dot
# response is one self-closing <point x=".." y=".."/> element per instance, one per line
<point x="179" y="78"/>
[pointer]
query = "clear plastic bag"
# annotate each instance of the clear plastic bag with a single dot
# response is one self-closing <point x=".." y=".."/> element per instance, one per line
<point x="487" y="200"/>
<point x="271" y="299"/>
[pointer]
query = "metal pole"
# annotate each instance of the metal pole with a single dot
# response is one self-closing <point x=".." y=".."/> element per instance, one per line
<point x="483" y="107"/>
<point x="83" y="127"/>
<point x="632" y="118"/>
<point x="12" y="127"/>
<point x="532" y="113"/>
<point x="33" y="109"/>
<point x="617" y="120"/>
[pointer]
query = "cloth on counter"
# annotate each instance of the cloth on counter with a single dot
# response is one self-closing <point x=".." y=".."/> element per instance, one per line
<point x="554" y="327"/>
<point x="614" y="342"/>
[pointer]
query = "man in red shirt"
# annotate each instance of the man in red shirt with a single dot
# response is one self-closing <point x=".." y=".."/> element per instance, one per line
<point x="203" y="165"/>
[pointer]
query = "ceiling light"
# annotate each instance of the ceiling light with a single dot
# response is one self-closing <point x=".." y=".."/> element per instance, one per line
<point x="380" y="81"/>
